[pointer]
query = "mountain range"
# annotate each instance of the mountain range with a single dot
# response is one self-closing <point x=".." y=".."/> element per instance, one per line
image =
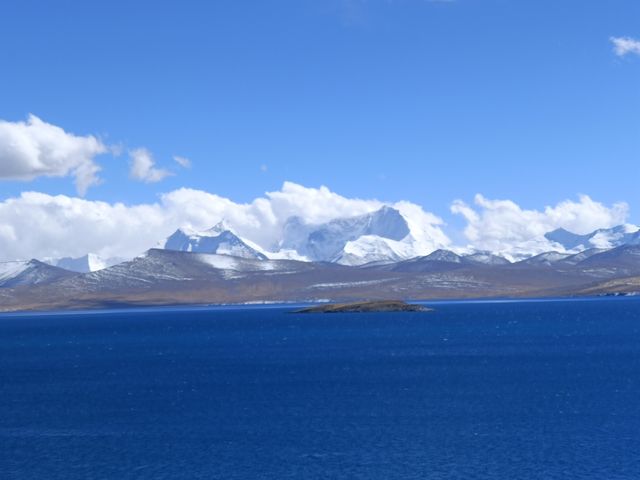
<point x="381" y="236"/>
<point x="170" y="277"/>
<point x="371" y="256"/>
<point x="602" y="238"/>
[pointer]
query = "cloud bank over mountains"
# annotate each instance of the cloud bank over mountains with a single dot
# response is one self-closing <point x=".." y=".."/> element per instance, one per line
<point x="40" y="225"/>
<point x="503" y="227"/>
<point x="46" y="226"/>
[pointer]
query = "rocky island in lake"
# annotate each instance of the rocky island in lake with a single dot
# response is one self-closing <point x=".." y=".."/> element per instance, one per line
<point x="366" y="307"/>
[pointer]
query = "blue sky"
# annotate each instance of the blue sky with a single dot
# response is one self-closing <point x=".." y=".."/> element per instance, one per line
<point x="426" y="101"/>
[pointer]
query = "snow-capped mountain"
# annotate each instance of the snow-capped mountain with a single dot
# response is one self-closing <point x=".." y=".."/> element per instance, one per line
<point x="601" y="238"/>
<point x="217" y="240"/>
<point x="168" y="277"/>
<point x="85" y="264"/>
<point x="446" y="260"/>
<point x="326" y="242"/>
<point x="444" y="256"/>
<point x="380" y="236"/>
<point x="561" y="258"/>
<point x="486" y="258"/>
<point x="439" y="260"/>
<point x="32" y="272"/>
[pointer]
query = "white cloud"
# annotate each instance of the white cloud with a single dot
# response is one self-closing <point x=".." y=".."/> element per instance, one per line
<point x="184" y="162"/>
<point x="40" y="225"/>
<point x="503" y="226"/>
<point x="143" y="167"/>
<point x="625" y="45"/>
<point x="35" y="148"/>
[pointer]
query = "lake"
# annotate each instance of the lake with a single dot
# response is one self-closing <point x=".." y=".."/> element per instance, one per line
<point x="473" y="390"/>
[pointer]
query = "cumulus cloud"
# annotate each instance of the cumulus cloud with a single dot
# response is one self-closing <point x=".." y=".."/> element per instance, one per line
<point x="184" y="162"/>
<point x="625" y="45"/>
<point x="40" y="225"/>
<point x="503" y="226"/>
<point x="143" y="167"/>
<point x="36" y="148"/>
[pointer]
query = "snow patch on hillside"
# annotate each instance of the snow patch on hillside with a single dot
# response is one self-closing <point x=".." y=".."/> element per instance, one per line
<point x="9" y="270"/>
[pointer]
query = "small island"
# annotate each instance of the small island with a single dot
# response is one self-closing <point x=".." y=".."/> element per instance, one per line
<point x="366" y="307"/>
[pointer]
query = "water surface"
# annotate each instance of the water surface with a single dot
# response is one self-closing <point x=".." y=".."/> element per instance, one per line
<point x="513" y="390"/>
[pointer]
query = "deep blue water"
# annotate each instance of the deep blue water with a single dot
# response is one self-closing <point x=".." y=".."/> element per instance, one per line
<point x="521" y="390"/>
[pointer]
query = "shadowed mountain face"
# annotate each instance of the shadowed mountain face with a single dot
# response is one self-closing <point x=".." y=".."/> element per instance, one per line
<point x="623" y="260"/>
<point x="579" y="257"/>
<point x="165" y="277"/>
<point x="569" y="240"/>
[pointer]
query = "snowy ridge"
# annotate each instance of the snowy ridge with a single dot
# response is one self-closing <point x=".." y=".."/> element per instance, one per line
<point x="33" y="272"/>
<point x="9" y="270"/>
<point x="238" y="264"/>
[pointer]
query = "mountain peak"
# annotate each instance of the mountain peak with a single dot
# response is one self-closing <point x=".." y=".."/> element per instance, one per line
<point x="219" y="228"/>
<point x="218" y="239"/>
<point x="486" y="258"/>
<point x="441" y="255"/>
<point x="386" y="209"/>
